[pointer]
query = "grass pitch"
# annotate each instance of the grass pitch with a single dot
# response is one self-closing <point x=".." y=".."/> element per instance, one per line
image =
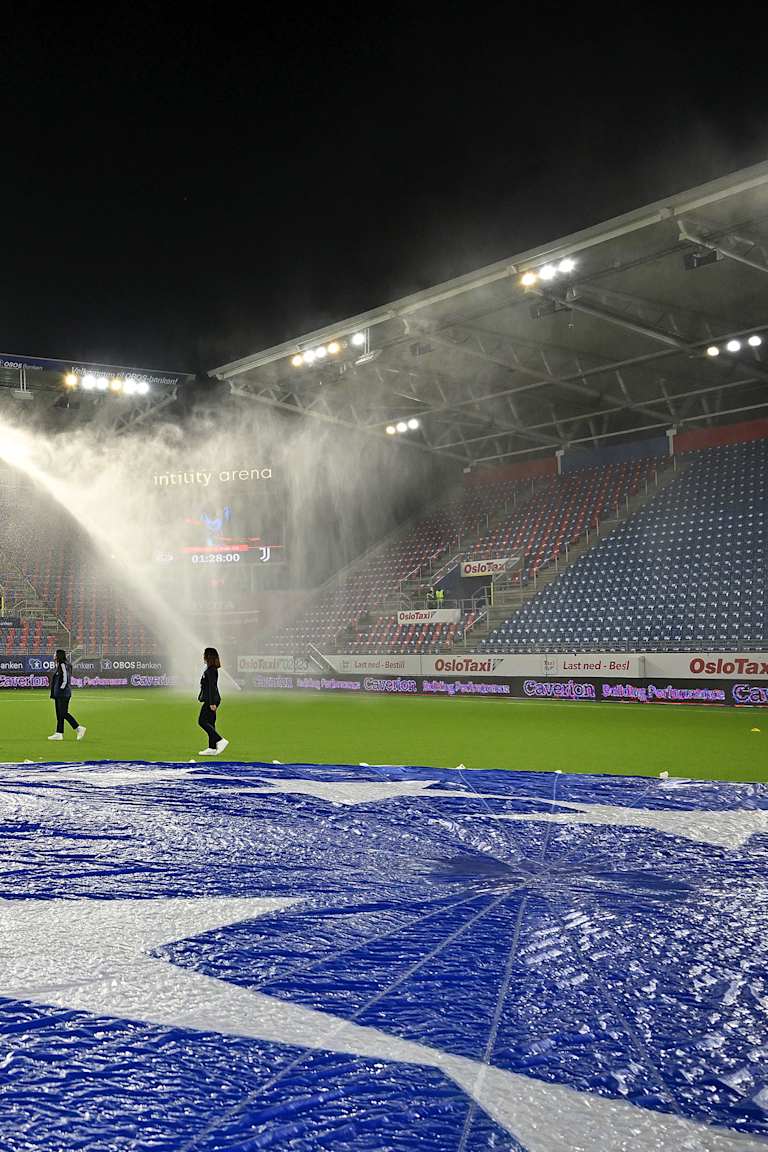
<point x="541" y="735"/>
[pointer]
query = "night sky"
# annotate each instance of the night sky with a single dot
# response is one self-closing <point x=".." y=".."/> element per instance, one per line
<point x="177" y="193"/>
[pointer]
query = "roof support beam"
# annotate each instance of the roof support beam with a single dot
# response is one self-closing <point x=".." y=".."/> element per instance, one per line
<point x="628" y="432"/>
<point x="666" y="209"/>
<point x="722" y="245"/>
<point x="569" y="383"/>
<point x="559" y="421"/>
<point x="247" y="394"/>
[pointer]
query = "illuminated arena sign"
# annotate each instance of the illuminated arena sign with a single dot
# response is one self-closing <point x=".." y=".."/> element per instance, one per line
<point x="302" y="957"/>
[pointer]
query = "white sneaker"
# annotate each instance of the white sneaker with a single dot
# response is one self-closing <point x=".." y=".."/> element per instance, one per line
<point x="56" y="736"/>
<point x="207" y="752"/>
<point x="222" y="744"/>
<point x="81" y="732"/>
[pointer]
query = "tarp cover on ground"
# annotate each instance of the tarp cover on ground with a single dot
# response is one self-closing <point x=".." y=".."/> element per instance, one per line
<point x="333" y="957"/>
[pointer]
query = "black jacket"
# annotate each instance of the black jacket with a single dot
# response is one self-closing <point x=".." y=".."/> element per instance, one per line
<point x="59" y="690"/>
<point x="209" y="687"/>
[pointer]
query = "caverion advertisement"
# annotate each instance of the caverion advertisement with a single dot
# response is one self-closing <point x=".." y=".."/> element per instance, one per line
<point x="647" y="678"/>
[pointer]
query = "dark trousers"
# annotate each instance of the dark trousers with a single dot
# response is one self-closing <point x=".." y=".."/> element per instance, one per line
<point x="207" y="721"/>
<point x="62" y="713"/>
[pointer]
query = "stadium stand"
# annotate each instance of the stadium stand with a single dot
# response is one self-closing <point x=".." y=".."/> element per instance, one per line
<point x="78" y="602"/>
<point x="30" y="636"/>
<point x="688" y="571"/>
<point x="535" y="521"/>
<point x="562" y="511"/>
<point x="380" y="575"/>
<point x="387" y="636"/>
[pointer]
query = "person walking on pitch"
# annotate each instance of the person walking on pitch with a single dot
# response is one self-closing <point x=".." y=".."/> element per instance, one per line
<point x="61" y="694"/>
<point x="211" y="700"/>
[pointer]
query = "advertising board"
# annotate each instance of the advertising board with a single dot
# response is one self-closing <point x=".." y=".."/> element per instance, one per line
<point x="488" y="567"/>
<point x="430" y="616"/>
<point x="708" y="665"/>
<point x="115" y="672"/>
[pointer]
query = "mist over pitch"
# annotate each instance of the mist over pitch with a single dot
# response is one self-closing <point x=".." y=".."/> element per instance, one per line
<point x="312" y="498"/>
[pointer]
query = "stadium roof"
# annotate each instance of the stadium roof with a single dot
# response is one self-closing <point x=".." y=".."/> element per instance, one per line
<point x="616" y="348"/>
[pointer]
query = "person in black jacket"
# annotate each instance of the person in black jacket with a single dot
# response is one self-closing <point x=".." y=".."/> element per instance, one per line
<point x="61" y="694"/>
<point x="210" y="699"/>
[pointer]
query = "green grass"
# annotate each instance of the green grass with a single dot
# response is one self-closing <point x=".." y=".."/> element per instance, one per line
<point x="711" y="743"/>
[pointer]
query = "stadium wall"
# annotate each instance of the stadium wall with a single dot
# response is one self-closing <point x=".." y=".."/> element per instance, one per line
<point x="574" y="460"/>
<point x="522" y="470"/>
<point x="698" y="438"/>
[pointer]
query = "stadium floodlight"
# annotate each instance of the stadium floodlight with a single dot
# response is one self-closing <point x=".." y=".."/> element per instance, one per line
<point x="413" y="423"/>
<point x="89" y="381"/>
<point x="755" y="341"/>
<point x="297" y="360"/>
<point x="142" y="387"/>
<point x="358" y="339"/>
<point x="713" y="350"/>
<point x="71" y="380"/>
<point x="334" y="348"/>
<point x="548" y="272"/>
<point x="567" y="265"/>
<point x="116" y="384"/>
<point x="129" y="387"/>
<point x="401" y="426"/>
<point x="321" y="352"/>
<point x="734" y="345"/>
<point x="528" y="279"/>
<point x="102" y="383"/>
<point x="391" y="430"/>
<point x="309" y="356"/>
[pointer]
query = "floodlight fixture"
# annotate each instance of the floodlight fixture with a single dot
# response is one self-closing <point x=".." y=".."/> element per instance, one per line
<point x="693" y="260"/>
<point x="548" y="272"/>
<point x="528" y="279"/>
<point x="334" y="348"/>
<point x="391" y="430"/>
<point x="413" y="423"/>
<point x="401" y="426"/>
<point x="733" y="346"/>
<point x="142" y="387"/>
<point x="116" y="384"/>
<point x="713" y="350"/>
<point x="89" y="381"/>
<point x="566" y="265"/>
<point x="71" y="380"/>
<point x="358" y="340"/>
<point x="755" y="341"/>
<point x="309" y="356"/>
<point x="102" y="383"/>
<point x="297" y="360"/>
<point x="321" y="352"/>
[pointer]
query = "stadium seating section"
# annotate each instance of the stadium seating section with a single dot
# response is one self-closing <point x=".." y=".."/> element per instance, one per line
<point x="536" y="522"/>
<point x="69" y="579"/>
<point x="686" y="572"/>
<point x="30" y="636"/>
<point x="386" y="635"/>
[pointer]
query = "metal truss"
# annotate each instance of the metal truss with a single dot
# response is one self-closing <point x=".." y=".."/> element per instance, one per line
<point x="142" y="410"/>
<point x="746" y="250"/>
<point x="485" y="385"/>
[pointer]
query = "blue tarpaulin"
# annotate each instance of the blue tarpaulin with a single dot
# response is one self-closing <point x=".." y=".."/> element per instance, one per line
<point x="249" y="956"/>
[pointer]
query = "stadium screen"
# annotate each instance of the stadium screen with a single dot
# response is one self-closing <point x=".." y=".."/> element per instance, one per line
<point x="222" y="523"/>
